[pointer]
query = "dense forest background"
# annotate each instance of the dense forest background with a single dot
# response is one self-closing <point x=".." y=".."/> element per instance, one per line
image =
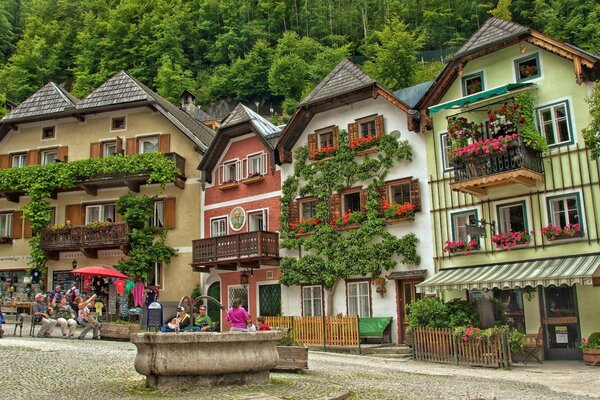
<point x="269" y="51"/>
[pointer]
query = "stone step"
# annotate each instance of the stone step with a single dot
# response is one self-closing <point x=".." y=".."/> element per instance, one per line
<point x="390" y="350"/>
<point x="392" y="356"/>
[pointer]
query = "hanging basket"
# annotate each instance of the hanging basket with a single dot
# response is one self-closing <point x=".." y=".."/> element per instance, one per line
<point x="381" y="290"/>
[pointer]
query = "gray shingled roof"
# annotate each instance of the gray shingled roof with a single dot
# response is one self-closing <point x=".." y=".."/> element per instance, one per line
<point x="344" y="78"/>
<point x="199" y="114"/>
<point x="50" y="99"/>
<point x="493" y="30"/>
<point x="411" y="95"/>
<point x="241" y="114"/>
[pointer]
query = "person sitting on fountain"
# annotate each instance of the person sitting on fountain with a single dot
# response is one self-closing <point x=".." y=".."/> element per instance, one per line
<point x="180" y="323"/>
<point x="237" y="316"/>
<point x="250" y="324"/>
<point x="262" y="325"/>
<point x="203" y="321"/>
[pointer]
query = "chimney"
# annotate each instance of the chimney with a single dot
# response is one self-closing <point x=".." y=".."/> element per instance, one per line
<point x="188" y="101"/>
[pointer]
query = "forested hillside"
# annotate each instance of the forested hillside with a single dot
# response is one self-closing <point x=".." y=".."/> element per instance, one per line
<point x="252" y="50"/>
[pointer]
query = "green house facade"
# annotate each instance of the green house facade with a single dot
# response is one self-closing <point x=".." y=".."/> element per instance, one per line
<point x="516" y="224"/>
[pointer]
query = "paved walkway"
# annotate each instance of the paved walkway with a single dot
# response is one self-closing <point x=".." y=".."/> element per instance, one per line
<point x="75" y="369"/>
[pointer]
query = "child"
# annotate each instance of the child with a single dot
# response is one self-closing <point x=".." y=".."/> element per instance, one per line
<point x="262" y="325"/>
<point x="250" y="325"/>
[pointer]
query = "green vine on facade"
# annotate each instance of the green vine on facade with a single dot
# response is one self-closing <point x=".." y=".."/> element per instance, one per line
<point x="39" y="182"/>
<point x="591" y="133"/>
<point x="528" y="129"/>
<point x="328" y="255"/>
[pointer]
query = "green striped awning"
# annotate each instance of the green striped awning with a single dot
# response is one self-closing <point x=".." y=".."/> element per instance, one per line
<point x="555" y="271"/>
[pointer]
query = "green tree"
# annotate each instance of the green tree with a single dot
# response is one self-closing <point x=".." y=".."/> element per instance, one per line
<point x="502" y="10"/>
<point x="172" y="80"/>
<point x="591" y="133"/>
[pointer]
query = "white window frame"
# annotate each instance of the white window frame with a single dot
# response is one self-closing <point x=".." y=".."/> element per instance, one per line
<point x="264" y="215"/>
<point x="367" y="121"/>
<point x="158" y="215"/>
<point x="106" y="146"/>
<point x="255" y="165"/>
<point x="563" y="198"/>
<point x="112" y="129"/>
<point x="46" y="153"/>
<point x="158" y="272"/>
<point x="102" y="210"/>
<point x="21" y="160"/>
<point x="6" y="223"/>
<point x="218" y="220"/>
<point x="357" y="302"/>
<point x="455" y="227"/>
<point x="146" y="139"/>
<point x="445" y="148"/>
<point x="229" y="167"/>
<point x="407" y="182"/>
<point x="502" y="213"/>
<point x="308" y="294"/>
<point x="554" y="122"/>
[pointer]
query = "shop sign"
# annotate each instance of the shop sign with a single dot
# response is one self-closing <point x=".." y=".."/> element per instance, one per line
<point x="562" y="335"/>
<point x="237" y="218"/>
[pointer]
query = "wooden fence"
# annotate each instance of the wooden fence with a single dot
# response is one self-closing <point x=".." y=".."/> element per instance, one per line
<point x="340" y="331"/>
<point x="442" y="345"/>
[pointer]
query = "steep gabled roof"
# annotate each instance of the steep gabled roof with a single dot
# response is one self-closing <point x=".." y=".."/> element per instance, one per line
<point x="412" y="95"/>
<point x="119" y="89"/>
<point x="344" y="78"/>
<point x="241" y="114"/>
<point x="493" y="30"/>
<point x="49" y="100"/>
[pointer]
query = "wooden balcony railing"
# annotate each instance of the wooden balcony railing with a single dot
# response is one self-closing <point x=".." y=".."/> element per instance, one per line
<point x="240" y="249"/>
<point x="178" y="160"/>
<point x="83" y="238"/>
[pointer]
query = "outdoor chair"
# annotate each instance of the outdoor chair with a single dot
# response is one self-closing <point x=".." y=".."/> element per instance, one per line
<point x="33" y="325"/>
<point x="533" y="346"/>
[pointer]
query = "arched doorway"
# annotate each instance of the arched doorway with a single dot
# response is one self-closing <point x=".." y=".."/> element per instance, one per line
<point x="213" y="311"/>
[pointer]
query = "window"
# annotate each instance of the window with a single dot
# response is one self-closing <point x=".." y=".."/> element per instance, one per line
<point x="565" y="210"/>
<point x="238" y="292"/>
<point x="358" y="299"/>
<point x="351" y="201"/>
<point x="218" y="227"/>
<point x="257" y="221"/>
<point x="527" y="68"/>
<point x="109" y="149"/>
<point x="19" y="160"/>
<point x="472" y="84"/>
<point x="99" y="212"/>
<point x="308" y="209"/>
<point x="49" y="156"/>
<point x="555" y="124"/>
<point x="48" y="132"/>
<point x="460" y="221"/>
<point x="446" y="147"/>
<point x="52" y="213"/>
<point x="6" y="220"/>
<point x="230" y="172"/>
<point x="400" y="193"/>
<point x="367" y="128"/>
<point x="512" y="218"/>
<point x="158" y="219"/>
<point x="117" y="123"/>
<point x="155" y="277"/>
<point x="269" y="299"/>
<point x="312" y="301"/>
<point x="148" y="144"/>
<point x="325" y="139"/>
<point x="255" y="165"/>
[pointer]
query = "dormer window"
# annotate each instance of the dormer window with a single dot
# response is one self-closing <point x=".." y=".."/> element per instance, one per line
<point x="472" y="84"/>
<point x="528" y="68"/>
<point x="255" y="165"/>
<point x="117" y="124"/>
<point x="48" y="133"/>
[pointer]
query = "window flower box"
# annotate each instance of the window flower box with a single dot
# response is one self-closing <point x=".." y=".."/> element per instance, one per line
<point x="323" y="152"/>
<point x="460" y="246"/>
<point x="399" y="211"/>
<point x="230" y="184"/>
<point x="513" y="239"/>
<point x="253" y="179"/>
<point x="5" y="240"/>
<point x="364" y="145"/>
<point x="349" y="220"/>
<point x="552" y="232"/>
<point x="484" y="147"/>
<point x="304" y="225"/>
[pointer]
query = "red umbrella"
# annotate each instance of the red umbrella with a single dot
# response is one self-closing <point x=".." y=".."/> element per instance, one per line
<point x="98" y="270"/>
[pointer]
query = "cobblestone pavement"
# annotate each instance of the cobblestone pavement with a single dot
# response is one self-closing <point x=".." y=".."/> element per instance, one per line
<point x="73" y="369"/>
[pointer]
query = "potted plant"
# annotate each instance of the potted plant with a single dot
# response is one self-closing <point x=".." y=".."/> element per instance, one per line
<point x="552" y="232"/>
<point x="293" y="355"/>
<point x="512" y="239"/>
<point x="460" y="130"/>
<point x="363" y="143"/>
<point x="349" y="218"/>
<point x="380" y="284"/>
<point x="460" y="246"/>
<point x="324" y="152"/>
<point x="395" y="210"/>
<point x="591" y="349"/>
<point x="304" y="225"/>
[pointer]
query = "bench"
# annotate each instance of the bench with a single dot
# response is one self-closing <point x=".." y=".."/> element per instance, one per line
<point x="375" y="328"/>
<point x="12" y="317"/>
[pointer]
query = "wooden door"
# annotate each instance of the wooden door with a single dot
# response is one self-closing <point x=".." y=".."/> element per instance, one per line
<point x="407" y="294"/>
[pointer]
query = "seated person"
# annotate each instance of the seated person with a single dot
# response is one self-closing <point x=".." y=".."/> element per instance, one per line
<point x="181" y="321"/>
<point x="203" y="321"/>
<point x="250" y="325"/>
<point x="262" y="325"/>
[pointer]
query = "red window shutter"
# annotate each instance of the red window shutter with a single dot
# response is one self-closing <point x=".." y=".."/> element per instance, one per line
<point x="164" y="143"/>
<point x="131" y="145"/>
<point x="379" y="127"/>
<point x="17" y="225"/>
<point x="415" y="194"/>
<point x="352" y="131"/>
<point x="5" y="161"/>
<point x="293" y="212"/>
<point x="27" y="232"/>
<point x="119" y="145"/>
<point x="63" y="153"/>
<point x="336" y="133"/>
<point x="312" y="144"/>
<point x="95" y="150"/>
<point x="169" y="212"/>
<point x="33" y="157"/>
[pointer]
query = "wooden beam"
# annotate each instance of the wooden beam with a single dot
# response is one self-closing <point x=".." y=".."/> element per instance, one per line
<point x="54" y="195"/>
<point x="90" y="253"/>
<point x="133" y="185"/>
<point x="198" y="268"/>
<point x="13" y="197"/>
<point x="52" y="255"/>
<point x="180" y="183"/>
<point x="523" y="180"/>
<point x="559" y="48"/>
<point x="578" y="70"/>
<point x="92" y="191"/>
<point x="391" y="98"/>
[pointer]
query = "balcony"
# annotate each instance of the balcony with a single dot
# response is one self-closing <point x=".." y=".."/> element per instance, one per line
<point x="518" y="164"/>
<point x="242" y="250"/>
<point x="85" y="239"/>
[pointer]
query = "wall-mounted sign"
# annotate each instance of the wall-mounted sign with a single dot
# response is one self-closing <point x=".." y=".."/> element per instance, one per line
<point x="562" y="335"/>
<point x="237" y="218"/>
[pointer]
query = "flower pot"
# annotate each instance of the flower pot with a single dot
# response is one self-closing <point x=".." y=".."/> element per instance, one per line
<point x="591" y="357"/>
<point x="292" y="358"/>
<point x="381" y="290"/>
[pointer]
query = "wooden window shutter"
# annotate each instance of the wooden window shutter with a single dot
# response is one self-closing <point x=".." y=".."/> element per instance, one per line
<point x="352" y="131"/>
<point x="293" y="212"/>
<point x="363" y="200"/>
<point x="265" y="163"/>
<point x="5" y="161"/>
<point x="119" y="145"/>
<point x="131" y="145"/>
<point x="335" y="204"/>
<point x="379" y="127"/>
<point x="63" y="153"/>
<point x="169" y="212"/>
<point x="75" y="213"/>
<point x="335" y="133"/>
<point x="17" y="224"/>
<point x="33" y="157"/>
<point x="164" y="143"/>
<point x="312" y="145"/>
<point x="27" y="232"/>
<point x="383" y="197"/>
<point x="415" y="194"/>
<point x="95" y="150"/>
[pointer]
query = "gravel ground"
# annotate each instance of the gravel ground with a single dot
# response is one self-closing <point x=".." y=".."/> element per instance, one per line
<point x="73" y="369"/>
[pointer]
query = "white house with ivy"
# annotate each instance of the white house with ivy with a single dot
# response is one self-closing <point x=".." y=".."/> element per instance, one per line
<point x="355" y="226"/>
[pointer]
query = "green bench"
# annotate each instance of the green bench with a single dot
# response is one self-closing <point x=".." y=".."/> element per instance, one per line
<point x="375" y="328"/>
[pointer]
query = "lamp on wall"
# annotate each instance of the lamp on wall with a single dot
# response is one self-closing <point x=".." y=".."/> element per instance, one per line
<point x="245" y="276"/>
<point x="74" y="264"/>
